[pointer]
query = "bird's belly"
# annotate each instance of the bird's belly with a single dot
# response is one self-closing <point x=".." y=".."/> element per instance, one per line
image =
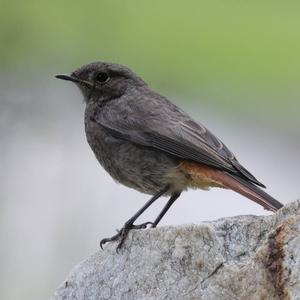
<point x="135" y="166"/>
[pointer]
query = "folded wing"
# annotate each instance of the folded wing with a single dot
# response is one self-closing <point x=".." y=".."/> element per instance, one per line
<point x="160" y="124"/>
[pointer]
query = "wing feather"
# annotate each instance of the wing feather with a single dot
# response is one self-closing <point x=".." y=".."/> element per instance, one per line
<point x="159" y="124"/>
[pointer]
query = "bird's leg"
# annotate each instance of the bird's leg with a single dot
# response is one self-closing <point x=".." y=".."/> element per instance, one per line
<point x="122" y="234"/>
<point x="165" y="209"/>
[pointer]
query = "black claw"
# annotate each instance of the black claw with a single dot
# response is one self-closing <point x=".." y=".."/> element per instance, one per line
<point x="122" y="234"/>
<point x="102" y="242"/>
<point x="111" y="239"/>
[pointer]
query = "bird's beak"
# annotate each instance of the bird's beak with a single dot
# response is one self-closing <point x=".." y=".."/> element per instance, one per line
<point x="74" y="79"/>
<point x="68" y="77"/>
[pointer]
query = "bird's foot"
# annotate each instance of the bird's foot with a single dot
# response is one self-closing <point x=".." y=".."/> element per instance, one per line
<point x="122" y="234"/>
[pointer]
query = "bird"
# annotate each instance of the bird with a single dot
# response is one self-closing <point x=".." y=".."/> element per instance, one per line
<point x="146" y="142"/>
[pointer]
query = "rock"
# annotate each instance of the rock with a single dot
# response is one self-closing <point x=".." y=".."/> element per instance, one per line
<point x="244" y="257"/>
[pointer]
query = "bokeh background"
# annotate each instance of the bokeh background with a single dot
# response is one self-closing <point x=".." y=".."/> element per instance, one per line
<point x="233" y="65"/>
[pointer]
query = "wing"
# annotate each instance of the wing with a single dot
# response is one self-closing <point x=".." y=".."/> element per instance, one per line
<point x="156" y="122"/>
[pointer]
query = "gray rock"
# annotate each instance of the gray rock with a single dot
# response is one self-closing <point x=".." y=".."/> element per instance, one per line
<point x="244" y="257"/>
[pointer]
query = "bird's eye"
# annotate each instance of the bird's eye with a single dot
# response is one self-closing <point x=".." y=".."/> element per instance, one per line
<point x="102" y="77"/>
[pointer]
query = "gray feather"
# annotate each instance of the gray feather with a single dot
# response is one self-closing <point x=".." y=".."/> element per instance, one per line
<point x="148" y="119"/>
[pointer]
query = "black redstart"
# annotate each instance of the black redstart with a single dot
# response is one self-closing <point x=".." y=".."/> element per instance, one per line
<point x="146" y="142"/>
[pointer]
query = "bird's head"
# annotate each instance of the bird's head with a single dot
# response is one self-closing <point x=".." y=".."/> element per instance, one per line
<point x="101" y="81"/>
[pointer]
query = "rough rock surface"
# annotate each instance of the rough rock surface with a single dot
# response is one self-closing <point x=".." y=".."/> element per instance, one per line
<point x="244" y="257"/>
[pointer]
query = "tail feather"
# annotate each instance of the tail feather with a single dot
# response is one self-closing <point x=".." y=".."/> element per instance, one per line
<point x="248" y="176"/>
<point x="204" y="176"/>
<point x="251" y="191"/>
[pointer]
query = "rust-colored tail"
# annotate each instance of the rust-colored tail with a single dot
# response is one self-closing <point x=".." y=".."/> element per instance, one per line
<point x="205" y="176"/>
<point x="250" y="191"/>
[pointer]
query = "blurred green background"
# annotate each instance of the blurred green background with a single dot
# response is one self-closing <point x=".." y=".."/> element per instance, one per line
<point x="233" y="64"/>
<point x="244" y="55"/>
